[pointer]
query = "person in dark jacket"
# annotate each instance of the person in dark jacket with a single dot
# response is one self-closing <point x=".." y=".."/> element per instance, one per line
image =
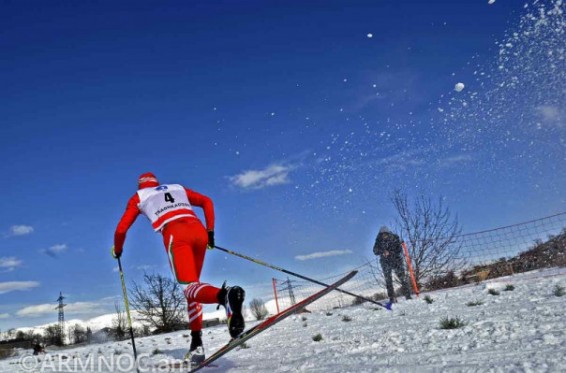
<point x="38" y="348"/>
<point x="388" y="248"/>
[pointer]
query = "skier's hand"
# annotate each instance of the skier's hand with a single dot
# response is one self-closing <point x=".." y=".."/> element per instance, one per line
<point x="210" y="245"/>
<point x="116" y="254"/>
<point x="385" y="253"/>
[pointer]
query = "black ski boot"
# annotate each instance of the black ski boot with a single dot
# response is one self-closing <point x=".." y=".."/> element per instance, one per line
<point x="195" y="356"/>
<point x="232" y="299"/>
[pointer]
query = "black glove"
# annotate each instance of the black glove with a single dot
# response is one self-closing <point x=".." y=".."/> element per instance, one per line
<point x="210" y="239"/>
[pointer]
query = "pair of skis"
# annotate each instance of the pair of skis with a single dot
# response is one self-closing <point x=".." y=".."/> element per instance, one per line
<point x="269" y="322"/>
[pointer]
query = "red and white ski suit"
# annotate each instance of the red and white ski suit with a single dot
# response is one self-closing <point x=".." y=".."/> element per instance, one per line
<point x="169" y="209"/>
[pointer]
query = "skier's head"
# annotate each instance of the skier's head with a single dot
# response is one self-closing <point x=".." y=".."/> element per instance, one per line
<point x="384" y="229"/>
<point x="147" y="180"/>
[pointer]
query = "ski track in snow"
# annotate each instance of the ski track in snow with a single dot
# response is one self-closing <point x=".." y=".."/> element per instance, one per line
<point x="521" y="331"/>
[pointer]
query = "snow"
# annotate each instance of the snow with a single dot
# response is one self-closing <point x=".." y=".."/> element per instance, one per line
<point x="522" y="330"/>
<point x="459" y="87"/>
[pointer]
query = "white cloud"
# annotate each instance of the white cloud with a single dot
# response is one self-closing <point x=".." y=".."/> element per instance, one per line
<point x="275" y="174"/>
<point x="145" y="267"/>
<point x="20" y="230"/>
<point x="323" y="254"/>
<point x="48" y="309"/>
<point x="6" y="287"/>
<point x="55" y="250"/>
<point x="58" y="248"/>
<point x="9" y="263"/>
<point x="401" y="161"/>
<point x="551" y="114"/>
<point x="37" y="310"/>
<point x="4" y="315"/>
<point x="454" y="160"/>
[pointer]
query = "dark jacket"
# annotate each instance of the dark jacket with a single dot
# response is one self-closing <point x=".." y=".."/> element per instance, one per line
<point x="388" y="242"/>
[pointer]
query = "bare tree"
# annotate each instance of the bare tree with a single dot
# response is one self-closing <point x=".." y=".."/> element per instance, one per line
<point x="257" y="308"/>
<point x="88" y="335"/>
<point x="77" y="334"/>
<point x="119" y="324"/>
<point x="53" y="335"/>
<point x="432" y="234"/>
<point x="11" y="333"/>
<point x="160" y="303"/>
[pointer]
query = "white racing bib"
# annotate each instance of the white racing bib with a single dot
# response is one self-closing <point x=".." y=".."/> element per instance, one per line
<point x="164" y="203"/>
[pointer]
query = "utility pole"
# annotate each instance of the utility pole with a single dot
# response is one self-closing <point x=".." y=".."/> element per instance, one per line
<point x="60" y="308"/>
<point x="289" y="286"/>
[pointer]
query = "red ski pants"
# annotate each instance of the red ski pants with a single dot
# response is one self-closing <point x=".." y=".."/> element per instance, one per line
<point x="185" y="241"/>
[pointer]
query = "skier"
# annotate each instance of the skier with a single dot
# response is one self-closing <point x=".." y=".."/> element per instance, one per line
<point x="169" y="208"/>
<point x="388" y="247"/>
<point x="38" y="348"/>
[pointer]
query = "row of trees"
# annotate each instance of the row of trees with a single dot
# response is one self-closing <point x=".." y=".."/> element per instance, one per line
<point x="51" y="335"/>
<point x="159" y="303"/>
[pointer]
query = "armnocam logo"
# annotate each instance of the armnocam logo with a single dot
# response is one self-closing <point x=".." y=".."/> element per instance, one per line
<point x="161" y="187"/>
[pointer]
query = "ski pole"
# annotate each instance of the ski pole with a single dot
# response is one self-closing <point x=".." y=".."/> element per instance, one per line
<point x="127" y="305"/>
<point x="256" y="261"/>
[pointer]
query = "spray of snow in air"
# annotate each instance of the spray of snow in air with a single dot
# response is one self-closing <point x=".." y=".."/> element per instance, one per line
<point x="509" y="110"/>
<point x="518" y="106"/>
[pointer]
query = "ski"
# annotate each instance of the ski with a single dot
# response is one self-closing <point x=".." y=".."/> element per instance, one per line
<point x="269" y="322"/>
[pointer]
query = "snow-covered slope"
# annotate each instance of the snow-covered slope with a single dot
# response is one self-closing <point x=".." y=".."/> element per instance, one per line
<point x="523" y="330"/>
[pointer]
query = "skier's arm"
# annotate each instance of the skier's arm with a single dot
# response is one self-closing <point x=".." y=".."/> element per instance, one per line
<point x="129" y="217"/>
<point x="396" y="245"/>
<point x="200" y="200"/>
<point x="378" y="246"/>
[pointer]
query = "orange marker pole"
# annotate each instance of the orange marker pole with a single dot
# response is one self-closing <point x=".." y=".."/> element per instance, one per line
<point x="410" y="266"/>
<point x="275" y="293"/>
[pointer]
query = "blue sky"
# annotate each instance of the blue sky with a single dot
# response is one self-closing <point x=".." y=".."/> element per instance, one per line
<point x="294" y="119"/>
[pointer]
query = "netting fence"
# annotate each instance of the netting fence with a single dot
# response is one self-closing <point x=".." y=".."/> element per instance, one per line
<point x="479" y="256"/>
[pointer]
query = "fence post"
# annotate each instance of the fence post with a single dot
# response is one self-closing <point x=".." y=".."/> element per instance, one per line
<point x="274" y="281"/>
<point x="410" y="267"/>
